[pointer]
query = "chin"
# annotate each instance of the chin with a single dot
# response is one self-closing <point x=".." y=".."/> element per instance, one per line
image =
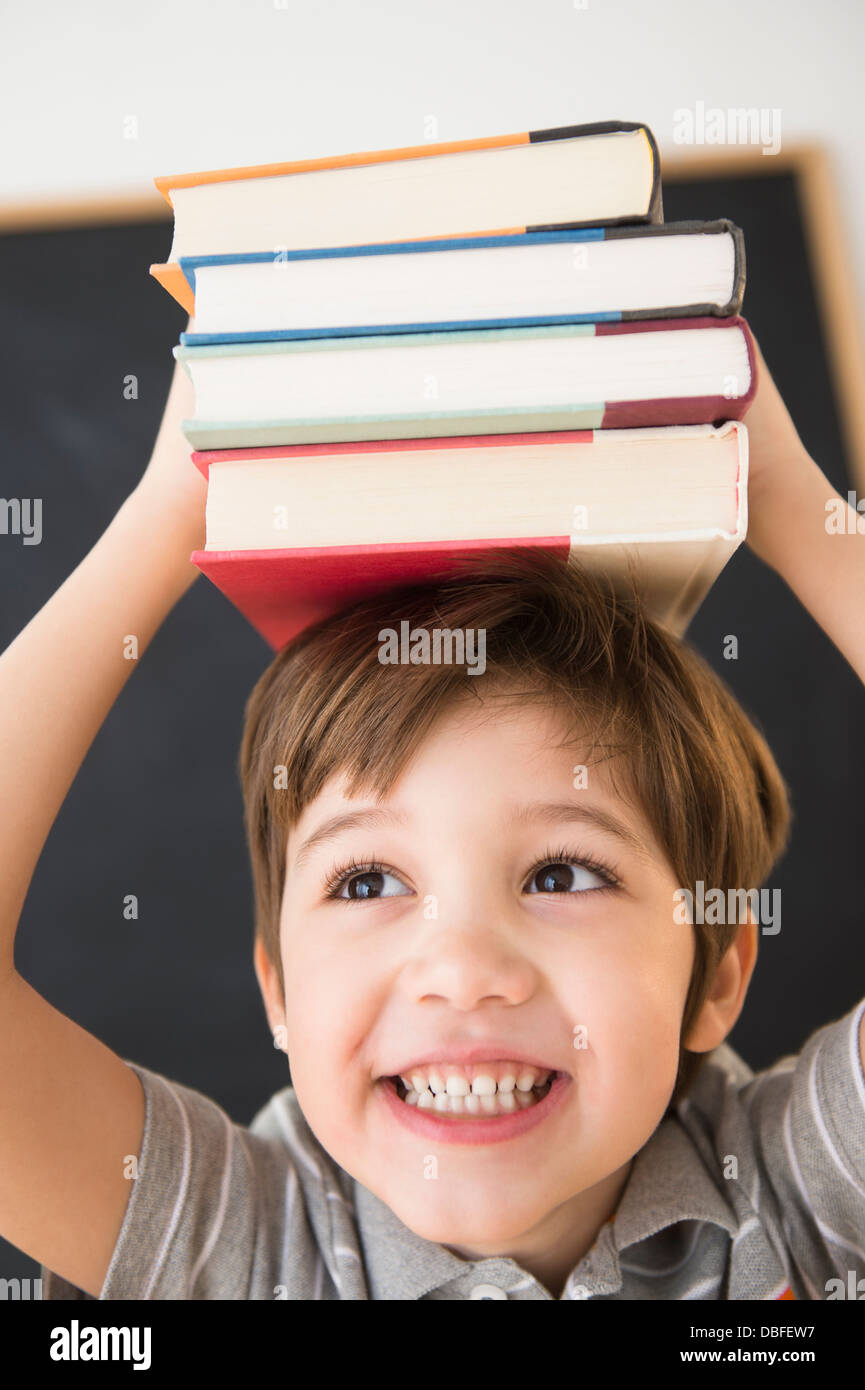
<point x="474" y="1224"/>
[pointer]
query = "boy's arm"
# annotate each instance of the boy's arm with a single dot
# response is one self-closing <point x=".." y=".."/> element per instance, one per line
<point x="70" y="1109"/>
<point x="787" y="524"/>
<point x="787" y="528"/>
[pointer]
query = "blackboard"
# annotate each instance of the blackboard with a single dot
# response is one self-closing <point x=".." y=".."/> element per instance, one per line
<point x="156" y="809"/>
<point x="789" y="676"/>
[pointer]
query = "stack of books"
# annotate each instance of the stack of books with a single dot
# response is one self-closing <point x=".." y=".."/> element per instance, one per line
<point x="407" y="357"/>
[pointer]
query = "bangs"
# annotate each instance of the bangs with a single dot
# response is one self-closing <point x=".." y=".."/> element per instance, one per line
<point x="346" y="712"/>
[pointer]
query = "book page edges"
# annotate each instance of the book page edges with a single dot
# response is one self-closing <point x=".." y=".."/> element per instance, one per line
<point x="680" y="568"/>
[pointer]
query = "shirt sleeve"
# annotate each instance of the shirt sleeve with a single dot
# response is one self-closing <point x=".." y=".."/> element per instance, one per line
<point x="207" y="1211"/>
<point x="807" y="1115"/>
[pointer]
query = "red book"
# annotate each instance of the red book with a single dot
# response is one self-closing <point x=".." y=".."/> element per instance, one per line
<point x="672" y="499"/>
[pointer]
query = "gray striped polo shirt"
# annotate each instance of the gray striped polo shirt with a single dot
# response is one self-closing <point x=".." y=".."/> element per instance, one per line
<point x="221" y="1211"/>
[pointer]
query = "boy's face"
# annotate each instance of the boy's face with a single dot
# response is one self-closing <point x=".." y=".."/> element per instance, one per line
<point x="454" y="950"/>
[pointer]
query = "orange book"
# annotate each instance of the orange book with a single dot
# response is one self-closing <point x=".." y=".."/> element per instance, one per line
<point x="601" y="174"/>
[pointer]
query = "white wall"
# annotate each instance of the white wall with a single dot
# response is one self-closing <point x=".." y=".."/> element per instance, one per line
<point x="213" y="83"/>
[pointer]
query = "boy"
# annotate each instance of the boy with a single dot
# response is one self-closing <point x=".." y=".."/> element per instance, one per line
<point x="467" y="943"/>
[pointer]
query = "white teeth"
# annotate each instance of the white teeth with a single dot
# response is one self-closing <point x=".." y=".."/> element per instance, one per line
<point x="499" y="1103"/>
<point x="484" y="1086"/>
<point x="450" y="1093"/>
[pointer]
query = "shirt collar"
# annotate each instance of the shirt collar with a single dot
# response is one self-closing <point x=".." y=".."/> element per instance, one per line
<point x="399" y="1264"/>
<point x="669" y="1182"/>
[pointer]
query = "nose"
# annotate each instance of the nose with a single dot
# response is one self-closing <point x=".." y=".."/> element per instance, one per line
<point x="468" y="955"/>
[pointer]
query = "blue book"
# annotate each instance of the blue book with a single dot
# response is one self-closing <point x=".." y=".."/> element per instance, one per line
<point x="516" y="280"/>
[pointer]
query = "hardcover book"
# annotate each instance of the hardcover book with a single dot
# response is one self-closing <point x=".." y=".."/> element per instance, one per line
<point x="295" y="533"/>
<point x="478" y="381"/>
<point x="566" y="176"/>
<point x="680" y="269"/>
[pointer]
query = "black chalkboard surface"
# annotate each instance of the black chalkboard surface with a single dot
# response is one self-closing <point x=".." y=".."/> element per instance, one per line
<point x="156" y="809"/>
<point x="788" y="675"/>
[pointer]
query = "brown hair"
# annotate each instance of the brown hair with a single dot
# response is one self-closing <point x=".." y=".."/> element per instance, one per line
<point x="696" y="764"/>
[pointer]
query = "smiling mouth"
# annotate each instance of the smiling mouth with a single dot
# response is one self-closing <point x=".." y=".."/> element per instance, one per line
<point x="472" y="1106"/>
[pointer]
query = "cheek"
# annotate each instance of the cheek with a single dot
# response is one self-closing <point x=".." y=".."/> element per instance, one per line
<point x="320" y="1009"/>
<point x="631" y="1004"/>
<point x="330" y="1008"/>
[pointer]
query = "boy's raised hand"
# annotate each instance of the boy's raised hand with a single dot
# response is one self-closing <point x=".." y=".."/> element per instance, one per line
<point x="790" y="501"/>
<point x="171" y="485"/>
<point x="774" y="443"/>
<point x="71" y="1111"/>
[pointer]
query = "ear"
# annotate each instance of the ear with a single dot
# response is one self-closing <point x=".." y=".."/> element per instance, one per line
<point x="723" y="1003"/>
<point x="271" y="994"/>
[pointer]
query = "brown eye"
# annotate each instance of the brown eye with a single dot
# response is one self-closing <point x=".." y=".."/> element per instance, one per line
<point x="362" y="884"/>
<point x="561" y="877"/>
<point x="365" y="886"/>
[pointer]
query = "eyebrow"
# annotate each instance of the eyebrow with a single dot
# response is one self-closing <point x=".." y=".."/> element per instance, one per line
<point x="349" y="820"/>
<point x="552" y="812"/>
